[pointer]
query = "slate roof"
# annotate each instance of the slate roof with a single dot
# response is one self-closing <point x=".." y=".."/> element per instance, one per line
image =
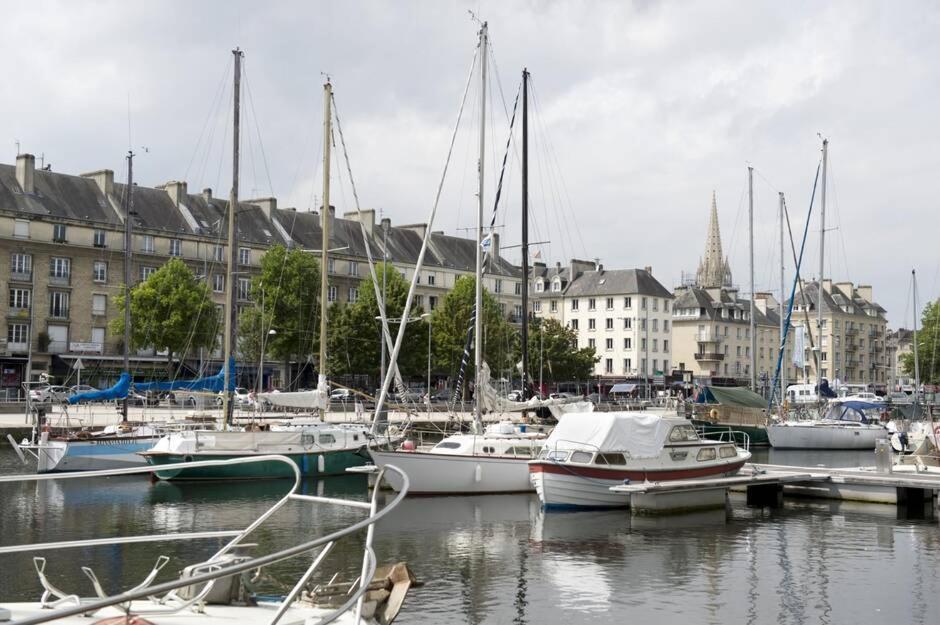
<point x="616" y="282"/>
<point x="694" y="297"/>
<point x="56" y="195"/>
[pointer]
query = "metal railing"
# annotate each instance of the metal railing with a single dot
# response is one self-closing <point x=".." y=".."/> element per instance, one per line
<point x="215" y="567"/>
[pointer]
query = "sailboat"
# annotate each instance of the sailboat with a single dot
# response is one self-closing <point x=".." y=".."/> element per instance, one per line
<point x="493" y="460"/>
<point x="840" y="425"/>
<point x="316" y="449"/>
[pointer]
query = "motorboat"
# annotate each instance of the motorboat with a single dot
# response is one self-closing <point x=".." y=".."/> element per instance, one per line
<point x="219" y="589"/>
<point x="468" y="464"/>
<point x="845" y="425"/>
<point x="588" y="453"/>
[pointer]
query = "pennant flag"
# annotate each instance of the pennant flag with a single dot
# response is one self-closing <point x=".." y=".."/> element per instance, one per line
<point x="487" y="242"/>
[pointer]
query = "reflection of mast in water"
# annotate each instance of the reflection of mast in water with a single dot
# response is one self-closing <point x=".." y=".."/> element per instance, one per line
<point x="752" y="588"/>
<point x="520" y="601"/>
<point x="791" y="603"/>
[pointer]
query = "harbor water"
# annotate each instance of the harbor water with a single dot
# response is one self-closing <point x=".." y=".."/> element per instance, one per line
<point x="501" y="559"/>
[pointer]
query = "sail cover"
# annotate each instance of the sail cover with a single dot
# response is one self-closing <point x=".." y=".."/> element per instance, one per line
<point x="212" y="384"/>
<point x="642" y="435"/>
<point x="494" y="402"/>
<point x="317" y="399"/>
<point x="118" y="391"/>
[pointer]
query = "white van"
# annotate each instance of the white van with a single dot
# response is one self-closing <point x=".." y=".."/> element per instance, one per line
<point x="801" y="393"/>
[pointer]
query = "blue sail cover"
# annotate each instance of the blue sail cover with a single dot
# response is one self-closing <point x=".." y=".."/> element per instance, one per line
<point x="118" y="391"/>
<point x="851" y="411"/>
<point x="213" y="384"/>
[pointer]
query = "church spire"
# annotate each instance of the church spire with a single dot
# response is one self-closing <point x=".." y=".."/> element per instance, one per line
<point x="713" y="269"/>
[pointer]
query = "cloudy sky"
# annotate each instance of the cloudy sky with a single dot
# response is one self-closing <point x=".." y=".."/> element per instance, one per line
<point x="641" y="110"/>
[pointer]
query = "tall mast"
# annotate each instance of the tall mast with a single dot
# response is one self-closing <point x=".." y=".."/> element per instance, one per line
<point x="750" y="229"/>
<point x="478" y="302"/>
<point x="325" y="242"/>
<point x="783" y="357"/>
<point x="227" y="404"/>
<point x="916" y="363"/>
<point x="822" y="258"/>
<point x="525" y="234"/>
<point x="128" y="211"/>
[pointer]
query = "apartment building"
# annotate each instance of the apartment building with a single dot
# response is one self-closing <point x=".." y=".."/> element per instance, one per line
<point x="897" y="344"/>
<point x="624" y="314"/>
<point x="62" y="239"/>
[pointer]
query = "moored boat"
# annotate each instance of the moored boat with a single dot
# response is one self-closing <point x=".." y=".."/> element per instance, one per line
<point x="588" y="453"/>
<point x="844" y="426"/>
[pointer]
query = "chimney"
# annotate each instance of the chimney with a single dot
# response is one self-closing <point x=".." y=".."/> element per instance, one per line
<point x="648" y="269"/>
<point x="599" y="268"/>
<point x="104" y="178"/>
<point x="25" y="170"/>
<point x="267" y="205"/>
<point x="827" y="286"/>
<point x="368" y="218"/>
<point x="207" y="194"/>
<point x="419" y="228"/>
<point x="176" y="191"/>
<point x="386" y="223"/>
<point x="865" y="292"/>
<point x="846" y="288"/>
<point x="494" y="247"/>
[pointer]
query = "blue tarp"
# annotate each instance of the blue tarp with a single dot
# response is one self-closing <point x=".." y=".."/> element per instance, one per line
<point x="851" y="411"/>
<point x="118" y="391"/>
<point x="213" y="384"/>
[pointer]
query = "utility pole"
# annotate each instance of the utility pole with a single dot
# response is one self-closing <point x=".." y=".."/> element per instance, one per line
<point x="822" y="258"/>
<point x="128" y="251"/>
<point x="230" y="319"/>
<point x="751" y="316"/>
<point x="325" y="228"/>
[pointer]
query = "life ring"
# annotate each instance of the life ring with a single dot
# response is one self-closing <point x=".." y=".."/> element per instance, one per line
<point x="713" y="413"/>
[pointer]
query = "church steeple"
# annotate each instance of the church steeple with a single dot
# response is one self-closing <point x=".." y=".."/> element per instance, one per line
<point x="713" y="268"/>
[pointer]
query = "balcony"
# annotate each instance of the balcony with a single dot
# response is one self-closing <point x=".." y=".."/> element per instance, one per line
<point x="21" y="276"/>
<point x="850" y="346"/>
<point x="18" y="313"/>
<point x="17" y="348"/>
<point x="709" y="357"/>
<point x="851" y="331"/>
<point x="708" y="337"/>
<point x="58" y="347"/>
<point x="85" y="348"/>
<point x="60" y="280"/>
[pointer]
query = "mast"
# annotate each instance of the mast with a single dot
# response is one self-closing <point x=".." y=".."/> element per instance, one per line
<point x="227" y="404"/>
<point x="128" y="211"/>
<point x="750" y="228"/>
<point x="478" y="301"/>
<point x="822" y="258"/>
<point x="916" y="363"/>
<point x="783" y="286"/>
<point x="325" y="242"/>
<point x="525" y="234"/>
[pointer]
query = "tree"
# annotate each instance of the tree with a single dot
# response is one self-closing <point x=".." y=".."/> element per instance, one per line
<point x="353" y="333"/>
<point x="450" y="322"/>
<point x="554" y="348"/>
<point x="928" y="336"/>
<point x="171" y="310"/>
<point x="286" y="295"/>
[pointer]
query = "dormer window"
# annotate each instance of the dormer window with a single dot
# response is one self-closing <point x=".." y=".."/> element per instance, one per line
<point x="539" y="286"/>
<point x="556" y="285"/>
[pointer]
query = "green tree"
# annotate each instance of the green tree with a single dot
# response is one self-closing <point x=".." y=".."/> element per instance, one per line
<point x="171" y="310"/>
<point x="353" y="333"/>
<point x="286" y="296"/>
<point x="450" y="321"/>
<point x="928" y="336"/>
<point x="554" y="348"/>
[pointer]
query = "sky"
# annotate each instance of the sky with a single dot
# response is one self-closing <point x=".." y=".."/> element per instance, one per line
<point x="639" y="111"/>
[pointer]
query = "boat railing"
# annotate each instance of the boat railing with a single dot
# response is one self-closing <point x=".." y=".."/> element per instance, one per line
<point x="738" y="437"/>
<point x="63" y="604"/>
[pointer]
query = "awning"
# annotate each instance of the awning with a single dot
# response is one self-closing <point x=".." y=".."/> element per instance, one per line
<point x="622" y="388"/>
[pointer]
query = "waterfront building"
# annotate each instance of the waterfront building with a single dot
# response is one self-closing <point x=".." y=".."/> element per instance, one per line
<point x="898" y="343"/>
<point x="624" y="314"/>
<point x="63" y="252"/>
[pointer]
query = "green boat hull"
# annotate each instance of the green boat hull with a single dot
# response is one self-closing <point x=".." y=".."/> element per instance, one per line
<point x="757" y="433"/>
<point x="310" y="464"/>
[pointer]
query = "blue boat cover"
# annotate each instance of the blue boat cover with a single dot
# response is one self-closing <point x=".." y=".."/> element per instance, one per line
<point x="851" y="411"/>
<point x="118" y="391"/>
<point x="214" y="383"/>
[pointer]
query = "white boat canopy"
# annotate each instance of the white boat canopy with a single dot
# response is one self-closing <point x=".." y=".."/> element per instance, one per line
<point x="640" y="434"/>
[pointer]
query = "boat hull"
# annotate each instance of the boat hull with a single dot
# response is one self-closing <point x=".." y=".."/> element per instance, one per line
<point x="447" y="474"/>
<point x="821" y="436"/>
<point x="565" y="486"/>
<point x="311" y="464"/>
<point x="92" y="455"/>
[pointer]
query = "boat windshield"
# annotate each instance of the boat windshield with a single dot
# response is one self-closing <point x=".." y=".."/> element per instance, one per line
<point x="683" y="434"/>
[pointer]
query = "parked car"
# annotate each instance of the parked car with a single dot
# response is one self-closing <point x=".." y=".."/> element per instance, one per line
<point x="81" y="388"/>
<point x="341" y="394"/>
<point x="410" y="396"/>
<point x="148" y="398"/>
<point x="242" y="397"/>
<point x="443" y="396"/>
<point x="48" y="394"/>
<point x="515" y="395"/>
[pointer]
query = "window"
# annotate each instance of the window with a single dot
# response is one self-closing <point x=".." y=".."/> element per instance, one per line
<point x="655" y="304"/>
<point x="665" y="345"/>
<point x="609" y="365"/>
<point x="615" y="459"/>
<point x="643" y="364"/>
<point x="683" y="434"/>
<point x="100" y="271"/>
<point x="59" y="304"/>
<point x="176" y="247"/>
<point x="244" y="288"/>
<point x="643" y="344"/>
<point x="99" y="239"/>
<point x="574" y="324"/>
<point x="58" y="233"/>
<point x="331" y="266"/>
<point x="517" y="288"/>
<point x="609" y="323"/>
<point x="665" y="325"/>
<point x="353" y="294"/>
<point x="19" y="298"/>
<point x="17" y="333"/>
<point x="431" y="279"/>
<point x="642" y="324"/>
<point x="498" y="286"/>
<point x="60" y="268"/>
<point x="609" y="344"/>
<point x="592" y="343"/>
<point x="706" y="453"/>
<point x="628" y="343"/>
<point x="665" y="305"/>
<point x="591" y="324"/>
<point x="655" y="365"/>
<point x="21" y="229"/>
<point x="655" y="345"/>
<point x="326" y="439"/>
<point x="331" y="294"/>
<point x="556" y="285"/>
<point x="146" y="272"/>
<point x="537" y="306"/>
<point x="643" y="303"/>
<point x="739" y="351"/>
<point x="244" y="256"/>
<point x="539" y="286"/>
<point x="627" y="364"/>
<point x="655" y="325"/>
<point x="627" y="323"/>
<point x="574" y="304"/>
<point x="591" y="303"/>
<point x="581" y="457"/>
<point x="99" y="304"/>
<point x="610" y="303"/>
<point x="218" y="254"/>
<point x="553" y="305"/>
<point x="21" y="264"/>
<point x="517" y="311"/>
<point x="146" y="244"/>
<point x="218" y="283"/>
<point x="628" y="302"/>
<point x="432" y="302"/>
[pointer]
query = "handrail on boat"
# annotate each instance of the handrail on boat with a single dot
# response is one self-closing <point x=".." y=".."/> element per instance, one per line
<point x="216" y="572"/>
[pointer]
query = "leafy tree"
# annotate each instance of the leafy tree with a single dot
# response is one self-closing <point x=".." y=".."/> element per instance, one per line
<point x="450" y="322"/>
<point x="171" y="310"/>
<point x="928" y="336"/>
<point x="554" y="347"/>
<point x="353" y="333"/>
<point x="288" y="289"/>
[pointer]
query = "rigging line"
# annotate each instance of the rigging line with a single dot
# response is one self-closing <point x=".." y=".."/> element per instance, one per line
<point x="213" y="124"/>
<point x="213" y="107"/>
<point x="411" y="289"/>
<point x="254" y="118"/>
<point x="218" y="176"/>
<point x="732" y="244"/>
<point x="547" y="197"/>
<point x="837" y="207"/>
